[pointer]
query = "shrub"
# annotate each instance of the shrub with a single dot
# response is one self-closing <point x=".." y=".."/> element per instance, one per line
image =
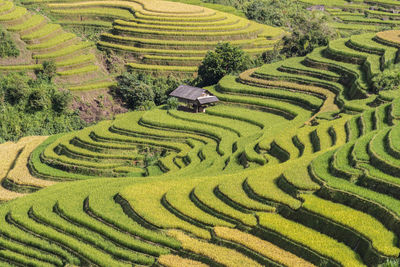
<point x="225" y="59"/>
<point x="7" y="45"/>
<point x="49" y="70"/>
<point x="147" y="105"/>
<point x="390" y="263"/>
<point x="61" y="100"/>
<point x="172" y="103"/>
<point x="389" y="79"/>
<point x="38" y="100"/>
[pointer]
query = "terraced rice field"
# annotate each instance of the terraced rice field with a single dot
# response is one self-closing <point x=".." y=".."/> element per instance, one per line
<point x="161" y="36"/>
<point x="297" y="166"/>
<point x="363" y="15"/>
<point x="75" y="59"/>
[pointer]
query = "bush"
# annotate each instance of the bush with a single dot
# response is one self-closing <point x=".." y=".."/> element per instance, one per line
<point x="147" y="105"/>
<point x="172" y="103"/>
<point x="61" y="100"/>
<point x="7" y="45"/>
<point x="38" y="100"/>
<point x="49" y="70"/>
<point x="225" y="59"/>
<point x="389" y="79"/>
<point x="390" y="263"/>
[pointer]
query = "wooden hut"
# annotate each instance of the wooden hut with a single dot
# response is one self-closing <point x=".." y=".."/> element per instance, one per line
<point x="196" y="99"/>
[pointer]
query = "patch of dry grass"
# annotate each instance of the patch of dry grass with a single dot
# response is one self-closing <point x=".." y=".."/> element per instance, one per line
<point x="176" y="261"/>
<point x="20" y="173"/>
<point x="222" y="255"/>
<point x="265" y="248"/>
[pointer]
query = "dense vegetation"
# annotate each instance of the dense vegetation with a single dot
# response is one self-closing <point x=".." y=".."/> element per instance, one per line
<point x="225" y="59"/>
<point x="8" y="47"/>
<point x="142" y="91"/>
<point x="34" y="107"/>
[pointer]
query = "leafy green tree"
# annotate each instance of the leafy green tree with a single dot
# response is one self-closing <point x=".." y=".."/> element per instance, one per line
<point x="225" y="59"/>
<point x="15" y="88"/>
<point x="49" y="70"/>
<point x="162" y="86"/>
<point x="61" y="100"/>
<point x="308" y="31"/>
<point x="134" y="90"/>
<point x="38" y="100"/>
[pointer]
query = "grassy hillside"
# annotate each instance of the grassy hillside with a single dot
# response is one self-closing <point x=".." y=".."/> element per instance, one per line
<point x="297" y="166"/>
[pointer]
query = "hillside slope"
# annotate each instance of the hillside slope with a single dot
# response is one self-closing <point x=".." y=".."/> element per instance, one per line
<point x="297" y="166"/>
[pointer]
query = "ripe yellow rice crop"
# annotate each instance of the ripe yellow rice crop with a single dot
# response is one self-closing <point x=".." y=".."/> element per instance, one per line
<point x="20" y="173"/>
<point x="8" y="152"/>
<point x="148" y="7"/>
<point x="265" y="248"/>
<point x="222" y="255"/>
<point x="176" y="261"/>
<point x="392" y="36"/>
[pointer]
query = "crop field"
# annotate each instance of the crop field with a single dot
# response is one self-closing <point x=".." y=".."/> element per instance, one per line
<point x="161" y="36"/>
<point x="75" y="59"/>
<point x="295" y="167"/>
<point x="363" y="15"/>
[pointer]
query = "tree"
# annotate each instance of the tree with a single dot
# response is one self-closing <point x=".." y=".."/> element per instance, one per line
<point x="225" y="59"/>
<point x="15" y="87"/>
<point x="38" y="100"/>
<point x="308" y="31"/>
<point x="49" y="70"/>
<point x="134" y="90"/>
<point x="61" y="100"/>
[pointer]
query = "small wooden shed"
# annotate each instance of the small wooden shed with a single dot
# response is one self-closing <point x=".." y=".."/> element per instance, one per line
<point x="195" y="98"/>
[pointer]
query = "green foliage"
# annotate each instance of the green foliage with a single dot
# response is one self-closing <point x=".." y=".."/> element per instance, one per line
<point x="308" y="31"/>
<point x="225" y="59"/>
<point x="274" y="12"/>
<point x="390" y="263"/>
<point x="134" y="90"/>
<point x="28" y="104"/>
<point x="7" y="45"/>
<point x="49" y="70"/>
<point x="172" y="103"/>
<point x="389" y="79"/>
<point x="142" y="91"/>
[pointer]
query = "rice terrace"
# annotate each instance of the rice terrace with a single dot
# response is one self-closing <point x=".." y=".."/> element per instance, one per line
<point x="200" y="133"/>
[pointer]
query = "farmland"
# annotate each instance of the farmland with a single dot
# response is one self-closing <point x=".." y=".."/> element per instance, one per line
<point x="297" y="165"/>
